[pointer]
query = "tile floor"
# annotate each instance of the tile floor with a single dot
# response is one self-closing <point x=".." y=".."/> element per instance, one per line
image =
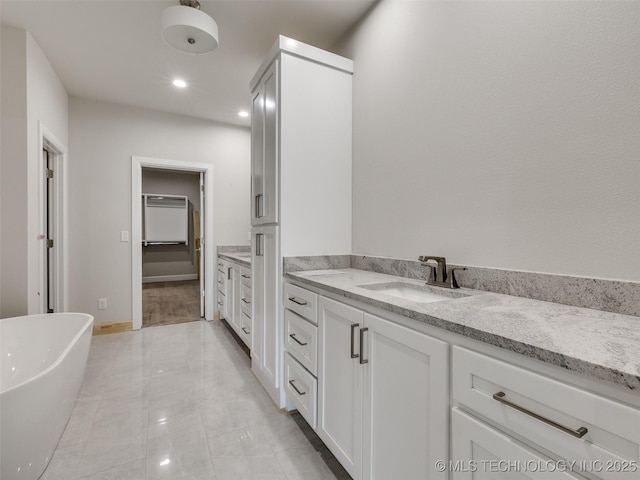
<point x="180" y="402"/>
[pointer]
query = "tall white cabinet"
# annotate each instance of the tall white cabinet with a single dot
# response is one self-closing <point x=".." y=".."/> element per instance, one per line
<point x="300" y="184"/>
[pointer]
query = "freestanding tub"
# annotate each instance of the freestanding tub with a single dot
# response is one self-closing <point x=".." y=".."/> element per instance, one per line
<point x="42" y="362"/>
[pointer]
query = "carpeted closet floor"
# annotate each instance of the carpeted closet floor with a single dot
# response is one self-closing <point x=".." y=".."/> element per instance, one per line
<point x="165" y="303"/>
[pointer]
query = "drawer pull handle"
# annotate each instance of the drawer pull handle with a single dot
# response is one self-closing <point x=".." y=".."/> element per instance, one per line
<point x="579" y="433"/>
<point x="296" y="388"/>
<point x="245" y="331"/>
<point x="220" y="304"/>
<point x="293" y="336"/>
<point x="295" y="300"/>
<point x="353" y="335"/>
<point x="362" y="359"/>
<point x="245" y="300"/>
<point x="245" y="276"/>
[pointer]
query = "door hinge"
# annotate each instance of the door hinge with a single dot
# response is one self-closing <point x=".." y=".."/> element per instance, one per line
<point x="202" y="188"/>
<point x="202" y="293"/>
<point x="49" y="173"/>
<point x="49" y="243"/>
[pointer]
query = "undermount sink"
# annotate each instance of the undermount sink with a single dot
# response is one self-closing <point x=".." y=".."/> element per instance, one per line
<point x="414" y="293"/>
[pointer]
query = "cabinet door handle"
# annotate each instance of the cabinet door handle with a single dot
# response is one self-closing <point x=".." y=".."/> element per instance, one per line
<point x="362" y="359"/>
<point x="259" y="244"/>
<point x="293" y="336"/>
<point x="245" y="331"/>
<point x="296" y="301"/>
<point x="579" y="433"/>
<point x="258" y="204"/>
<point x="228" y="273"/>
<point x="296" y="388"/>
<point x="353" y="335"/>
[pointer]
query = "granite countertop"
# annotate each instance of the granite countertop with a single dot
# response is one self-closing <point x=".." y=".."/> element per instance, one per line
<point x="243" y="258"/>
<point x="601" y="345"/>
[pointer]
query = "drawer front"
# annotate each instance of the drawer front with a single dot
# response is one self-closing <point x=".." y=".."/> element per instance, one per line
<point x="545" y="412"/>
<point x="221" y="265"/>
<point x="222" y="281"/>
<point x="301" y="301"/>
<point x="245" y="276"/>
<point x="480" y="452"/>
<point x="245" y="299"/>
<point x="245" y="329"/>
<point x="220" y="304"/>
<point x="302" y="390"/>
<point x="302" y="340"/>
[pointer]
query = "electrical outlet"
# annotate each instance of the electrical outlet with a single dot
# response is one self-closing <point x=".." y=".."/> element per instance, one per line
<point x="102" y="304"/>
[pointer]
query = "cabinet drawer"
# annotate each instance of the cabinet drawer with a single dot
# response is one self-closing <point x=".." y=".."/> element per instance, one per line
<point x="552" y="411"/>
<point x="221" y="266"/>
<point x="302" y="340"/>
<point x="302" y="389"/>
<point x="245" y="329"/>
<point x="480" y="452"/>
<point x="220" y="304"/>
<point x="245" y="299"/>
<point x="222" y="280"/>
<point x="302" y="302"/>
<point x="245" y="277"/>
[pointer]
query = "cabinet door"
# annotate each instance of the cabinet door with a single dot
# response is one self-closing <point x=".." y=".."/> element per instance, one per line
<point x="482" y="453"/>
<point x="228" y="293"/>
<point x="340" y="383"/>
<point x="235" y="280"/>
<point x="264" y="149"/>
<point x="405" y="402"/>
<point x="267" y="327"/>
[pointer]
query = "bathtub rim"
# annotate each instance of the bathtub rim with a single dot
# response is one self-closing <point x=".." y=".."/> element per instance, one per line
<point x="87" y="325"/>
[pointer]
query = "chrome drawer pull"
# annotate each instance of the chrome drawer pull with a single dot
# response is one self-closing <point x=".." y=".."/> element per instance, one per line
<point x="245" y="276"/>
<point x="295" y="300"/>
<point x="353" y="347"/>
<point x="579" y="433"/>
<point x="245" y="331"/>
<point x="245" y="301"/>
<point x="293" y="336"/>
<point x="296" y="388"/>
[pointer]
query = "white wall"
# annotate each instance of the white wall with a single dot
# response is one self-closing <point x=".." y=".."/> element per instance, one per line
<point x="103" y="138"/>
<point x="499" y="134"/>
<point x="164" y="260"/>
<point x="32" y="95"/>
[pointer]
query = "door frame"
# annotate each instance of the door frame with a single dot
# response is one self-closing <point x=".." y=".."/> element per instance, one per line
<point x="137" y="164"/>
<point x="58" y="150"/>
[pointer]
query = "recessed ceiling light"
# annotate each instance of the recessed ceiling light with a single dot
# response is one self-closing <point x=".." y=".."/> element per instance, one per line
<point x="242" y="113"/>
<point x="179" y="83"/>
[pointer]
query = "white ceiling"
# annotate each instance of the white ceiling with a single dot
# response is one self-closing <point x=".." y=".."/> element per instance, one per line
<point x="113" y="50"/>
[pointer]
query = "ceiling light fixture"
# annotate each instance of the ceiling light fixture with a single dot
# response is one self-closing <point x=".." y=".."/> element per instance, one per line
<point x="243" y="114"/>
<point x="188" y="29"/>
<point x="179" y="83"/>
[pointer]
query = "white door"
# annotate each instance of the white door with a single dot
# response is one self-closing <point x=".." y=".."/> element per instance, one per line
<point x="405" y="402"/>
<point x="257" y="298"/>
<point x="482" y="453"/>
<point x="340" y="383"/>
<point x="49" y="227"/>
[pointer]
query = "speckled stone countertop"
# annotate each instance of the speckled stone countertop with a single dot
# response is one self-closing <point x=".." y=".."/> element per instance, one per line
<point x="243" y="258"/>
<point x="601" y="345"/>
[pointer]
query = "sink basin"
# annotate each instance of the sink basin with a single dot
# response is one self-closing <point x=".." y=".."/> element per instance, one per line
<point x="414" y="293"/>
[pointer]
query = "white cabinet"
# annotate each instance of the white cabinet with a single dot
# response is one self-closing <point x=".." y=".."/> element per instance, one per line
<point x="234" y="297"/>
<point x="300" y="144"/>
<point x="264" y="147"/>
<point x="233" y="287"/>
<point x="266" y="351"/>
<point x="340" y="383"/>
<point x="480" y="452"/>
<point x="382" y="395"/>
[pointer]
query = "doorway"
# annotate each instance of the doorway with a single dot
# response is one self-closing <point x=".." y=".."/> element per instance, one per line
<point x="53" y="278"/>
<point x="205" y="284"/>
<point x="171" y="270"/>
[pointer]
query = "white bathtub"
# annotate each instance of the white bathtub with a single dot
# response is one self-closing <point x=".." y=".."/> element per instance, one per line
<point x="42" y="362"/>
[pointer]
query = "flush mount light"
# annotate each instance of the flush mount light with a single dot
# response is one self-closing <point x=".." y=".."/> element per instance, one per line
<point x="188" y="29"/>
<point x="243" y="114"/>
<point x="178" y="82"/>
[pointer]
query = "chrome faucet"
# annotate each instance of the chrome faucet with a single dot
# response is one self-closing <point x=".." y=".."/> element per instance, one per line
<point x="438" y="275"/>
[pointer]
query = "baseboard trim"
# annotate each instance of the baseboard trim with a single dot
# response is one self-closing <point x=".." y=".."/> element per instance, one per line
<point x="113" y="327"/>
<point x="170" y="278"/>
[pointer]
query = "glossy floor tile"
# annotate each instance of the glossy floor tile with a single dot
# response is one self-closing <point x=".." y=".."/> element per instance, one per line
<point x="180" y="402"/>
